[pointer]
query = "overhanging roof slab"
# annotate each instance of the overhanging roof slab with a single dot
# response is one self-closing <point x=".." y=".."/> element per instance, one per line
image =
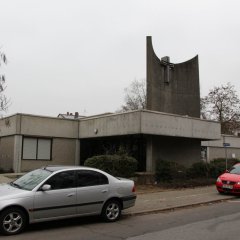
<point x="157" y="123"/>
<point x="111" y="125"/>
<point x="151" y="123"/>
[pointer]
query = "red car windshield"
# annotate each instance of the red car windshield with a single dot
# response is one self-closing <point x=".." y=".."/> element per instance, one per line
<point x="235" y="169"/>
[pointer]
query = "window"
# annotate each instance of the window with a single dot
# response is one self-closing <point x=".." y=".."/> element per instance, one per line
<point x="235" y="169"/>
<point x="90" y="178"/>
<point x="30" y="180"/>
<point x="37" y="148"/>
<point x="62" y="180"/>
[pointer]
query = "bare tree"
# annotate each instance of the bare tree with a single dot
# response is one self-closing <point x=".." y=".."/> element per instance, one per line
<point x="203" y="108"/>
<point x="135" y="96"/>
<point x="222" y="104"/>
<point x="4" y="101"/>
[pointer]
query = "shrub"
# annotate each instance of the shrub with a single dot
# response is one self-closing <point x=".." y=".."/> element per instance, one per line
<point x="199" y="173"/>
<point x="198" y="170"/>
<point x="6" y="170"/>
<point x="167" y="171"/>
<point x="218" y="166"/>
<point x="188" y="183"/>
<point x="116" y="165"/>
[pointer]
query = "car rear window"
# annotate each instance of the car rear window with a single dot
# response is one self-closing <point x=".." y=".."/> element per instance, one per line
<point x="90" y="178"/>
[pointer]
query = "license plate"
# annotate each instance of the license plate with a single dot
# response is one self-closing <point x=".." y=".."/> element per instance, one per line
<point x="227" y="186"/>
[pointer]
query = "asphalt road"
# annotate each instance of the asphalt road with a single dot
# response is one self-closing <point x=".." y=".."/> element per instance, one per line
<point x="213" y="221"/>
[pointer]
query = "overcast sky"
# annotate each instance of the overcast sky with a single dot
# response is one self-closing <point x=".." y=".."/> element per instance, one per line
<point x="66" y="55"/>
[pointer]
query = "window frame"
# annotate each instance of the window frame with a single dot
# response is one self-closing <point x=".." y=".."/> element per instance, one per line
<point x="92" y="171"/>
<point x="59" y="173"/>
<point x="37" y="139"/>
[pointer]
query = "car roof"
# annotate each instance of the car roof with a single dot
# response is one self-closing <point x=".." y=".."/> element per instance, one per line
<point x="54" y="168"/>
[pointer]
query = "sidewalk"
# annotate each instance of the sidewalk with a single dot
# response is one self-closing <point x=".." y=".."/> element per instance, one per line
<point x="173" y="199"/>
<point x="4" y="179"/>
<point x="157" y="200"/>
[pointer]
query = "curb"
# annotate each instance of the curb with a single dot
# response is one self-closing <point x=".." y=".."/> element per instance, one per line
<point x="154" y="211"/>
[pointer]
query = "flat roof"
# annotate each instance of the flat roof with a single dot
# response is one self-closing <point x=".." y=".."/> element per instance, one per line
<point x="126" y="123"/>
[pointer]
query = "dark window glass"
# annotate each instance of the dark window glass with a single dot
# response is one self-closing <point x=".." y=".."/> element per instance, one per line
<point x="90" y="178"/>
<point x="62" y="180"/>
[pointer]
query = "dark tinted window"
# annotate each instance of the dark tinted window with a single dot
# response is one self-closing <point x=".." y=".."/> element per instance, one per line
<point x="90" y="178"/>
<point x="62" y="180"/>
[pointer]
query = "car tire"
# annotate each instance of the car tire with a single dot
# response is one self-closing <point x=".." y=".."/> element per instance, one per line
<point x="111" y="211"/>
<point x="12" y="221"/>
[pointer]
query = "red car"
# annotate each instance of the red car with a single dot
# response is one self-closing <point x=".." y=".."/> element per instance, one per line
<point x="229" y="182"/>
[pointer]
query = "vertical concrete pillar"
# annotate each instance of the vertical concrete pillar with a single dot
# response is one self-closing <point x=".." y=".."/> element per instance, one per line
<point x="150" y="162"/>
<point x="77" y="152"/>
<point x="208" y="157"/>
<point x="17" y="153"/>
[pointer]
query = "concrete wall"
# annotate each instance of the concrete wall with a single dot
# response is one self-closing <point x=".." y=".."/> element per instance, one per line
<point x="234" y="141"/>
<point x="182" y="150"/>
<point x="180" y="94"/>
<point x="10" y="125"/>
<point x="149" y="122"/>
<point x="46" y="126"/>
<point x="24" y="124"/>
<point x="64" y="134"/>
<point x="111" y="125"/>
<point x="63" y="153"/>
<point x="135" y="122"/>
<point x="156" y="123"/>
<point x="217" y="152"/>
<point x="215" y="149"/>
<point x="6" y="152"/>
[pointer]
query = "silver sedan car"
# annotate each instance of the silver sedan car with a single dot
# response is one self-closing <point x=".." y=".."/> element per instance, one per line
<point x="57" y="192"/>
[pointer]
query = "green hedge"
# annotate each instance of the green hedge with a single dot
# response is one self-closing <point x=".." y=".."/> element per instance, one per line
<point x="167" y="171"/>
<point x="116" y="165"/>
<point x="198" y="170"/>
<point x="218" y="166"/>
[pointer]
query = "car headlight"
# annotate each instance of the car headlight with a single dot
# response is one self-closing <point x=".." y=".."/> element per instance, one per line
<point x="238" y="183"/>
<point x="219" y="180"/>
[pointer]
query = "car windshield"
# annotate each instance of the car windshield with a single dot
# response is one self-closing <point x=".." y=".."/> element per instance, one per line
<point x="30" y="180"/>
<point x="235" y="169"/>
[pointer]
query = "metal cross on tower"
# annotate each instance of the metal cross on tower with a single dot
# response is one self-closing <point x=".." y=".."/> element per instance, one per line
<point x="165" y="61"/>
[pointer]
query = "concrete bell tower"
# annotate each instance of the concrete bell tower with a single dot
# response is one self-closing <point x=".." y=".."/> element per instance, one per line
<point x="172" y="88"/>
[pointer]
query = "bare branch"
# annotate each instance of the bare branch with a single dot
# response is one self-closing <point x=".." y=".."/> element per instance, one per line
<point x="222" y="104"/>
<point x="4" y="101"/>
<point x="135" y="96"/>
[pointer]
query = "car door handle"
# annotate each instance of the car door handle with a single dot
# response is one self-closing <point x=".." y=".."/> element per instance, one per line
<point x="104" y="191"/>
<point x="70" y="195"/>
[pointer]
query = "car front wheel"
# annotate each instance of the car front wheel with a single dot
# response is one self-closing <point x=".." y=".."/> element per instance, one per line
<point x="111" y="211"/>
<point x="12" y="221"/>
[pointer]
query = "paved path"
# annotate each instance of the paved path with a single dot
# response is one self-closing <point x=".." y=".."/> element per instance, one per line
<point x="4" y="179"/>
<point x="166" y="200"/>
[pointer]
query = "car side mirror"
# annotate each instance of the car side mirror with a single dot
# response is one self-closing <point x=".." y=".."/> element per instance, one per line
<point x="46" y="187"/>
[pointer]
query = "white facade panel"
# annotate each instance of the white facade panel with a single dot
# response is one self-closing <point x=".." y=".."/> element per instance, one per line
<point x="44" y="149"/>
<point x="29" y="148"/>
